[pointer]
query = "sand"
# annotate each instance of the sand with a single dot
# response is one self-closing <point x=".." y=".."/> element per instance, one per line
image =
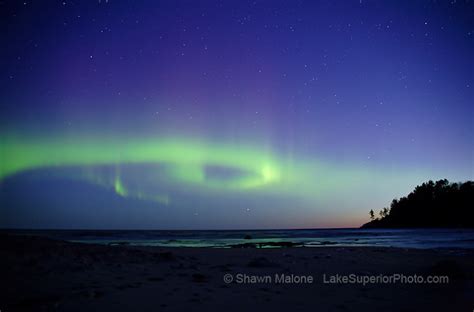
<point x="40" y="274"/>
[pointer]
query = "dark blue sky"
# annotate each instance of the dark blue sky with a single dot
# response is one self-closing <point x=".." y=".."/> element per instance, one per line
<point x="379" y="92"/>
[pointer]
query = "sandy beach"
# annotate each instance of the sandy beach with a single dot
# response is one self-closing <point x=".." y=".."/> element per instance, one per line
<point x="40" y="274"/>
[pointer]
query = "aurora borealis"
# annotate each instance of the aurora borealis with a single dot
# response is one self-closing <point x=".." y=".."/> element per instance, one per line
<point x="229" y="114"/>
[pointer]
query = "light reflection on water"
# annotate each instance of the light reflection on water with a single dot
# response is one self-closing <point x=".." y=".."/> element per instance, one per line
<point x="405" y="238"/>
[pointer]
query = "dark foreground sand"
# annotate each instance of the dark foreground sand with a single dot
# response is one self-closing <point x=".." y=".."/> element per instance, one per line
<point x="38" y="274"/>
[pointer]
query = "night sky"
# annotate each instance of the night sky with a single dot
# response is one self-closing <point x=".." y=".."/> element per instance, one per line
<point x="229" y="114"/>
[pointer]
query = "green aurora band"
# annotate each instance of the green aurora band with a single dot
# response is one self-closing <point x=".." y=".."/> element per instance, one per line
<point x="186" y="160"/>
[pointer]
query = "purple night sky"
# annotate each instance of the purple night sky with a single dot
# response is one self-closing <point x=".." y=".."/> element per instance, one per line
<point x="356" y="101"/>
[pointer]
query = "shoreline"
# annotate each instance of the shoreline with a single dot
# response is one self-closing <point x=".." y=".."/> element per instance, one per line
<point x="46" y="274"/>
<point x="406" y="238"/>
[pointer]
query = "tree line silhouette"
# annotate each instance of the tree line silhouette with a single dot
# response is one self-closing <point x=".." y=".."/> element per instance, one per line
<point x="432" y="204"/>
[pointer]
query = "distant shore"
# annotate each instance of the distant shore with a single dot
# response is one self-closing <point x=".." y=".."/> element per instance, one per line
<point x="46" y="275"/>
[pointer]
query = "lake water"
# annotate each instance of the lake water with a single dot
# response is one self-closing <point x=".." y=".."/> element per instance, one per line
<point x="405" y="238"/>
